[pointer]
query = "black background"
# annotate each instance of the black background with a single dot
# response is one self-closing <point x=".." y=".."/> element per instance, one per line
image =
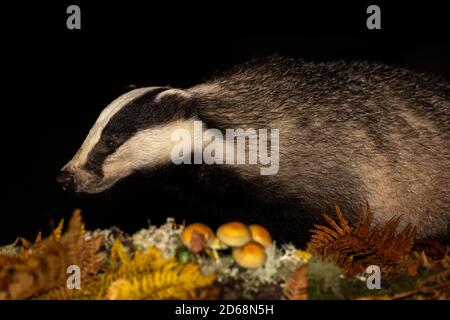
<point x="55" y="82"/>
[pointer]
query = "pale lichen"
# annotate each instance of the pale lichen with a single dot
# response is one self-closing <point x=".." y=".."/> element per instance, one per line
<point x="280" y="263"/>
<point x="165" y="238"/>
<point x="10" y="249"/>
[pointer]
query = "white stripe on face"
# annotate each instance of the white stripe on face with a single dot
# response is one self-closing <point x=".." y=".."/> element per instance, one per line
<point x="94" y="135"/>
<point x="147" y="148"/>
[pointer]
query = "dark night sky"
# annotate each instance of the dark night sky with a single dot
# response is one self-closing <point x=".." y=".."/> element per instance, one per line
<point x="56" y="81"/>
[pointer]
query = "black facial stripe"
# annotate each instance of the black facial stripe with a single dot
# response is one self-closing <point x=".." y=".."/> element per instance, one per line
<point x="141" y="113"/>
<point x="95" y="162"/>
<point x="144" y="112"/>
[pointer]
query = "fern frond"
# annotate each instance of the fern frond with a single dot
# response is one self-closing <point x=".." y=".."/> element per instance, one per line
<point x="58" y="293"/>
<point x="355" y="247"/>
<point x="43" y="269"/>
<point x="296" y="287"/>
<point x="58" y="231"/>
<point x="148" y="275"/>
<point x="171" y="281"/>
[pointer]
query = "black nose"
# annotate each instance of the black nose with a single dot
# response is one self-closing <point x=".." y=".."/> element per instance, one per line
<point x="67" y="180"/>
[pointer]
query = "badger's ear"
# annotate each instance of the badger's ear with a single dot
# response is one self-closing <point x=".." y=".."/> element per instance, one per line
<point x="128" y="88"/>
<point x="131" y="86"/>
<point x="173" y="95"/>
<point x="177" y="101"/>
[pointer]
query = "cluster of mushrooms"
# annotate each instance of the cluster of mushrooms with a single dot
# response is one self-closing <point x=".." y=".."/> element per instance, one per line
<point x="247" y="243"/>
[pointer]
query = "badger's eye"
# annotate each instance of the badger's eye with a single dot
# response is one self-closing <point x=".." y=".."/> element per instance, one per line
<point x="111" y="143"/>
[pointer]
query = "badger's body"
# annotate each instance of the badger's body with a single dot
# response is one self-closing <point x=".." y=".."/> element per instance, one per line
<point x="350" y="133"/>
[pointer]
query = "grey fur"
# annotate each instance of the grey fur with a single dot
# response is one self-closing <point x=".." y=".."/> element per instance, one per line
<point x="350" y="133"/>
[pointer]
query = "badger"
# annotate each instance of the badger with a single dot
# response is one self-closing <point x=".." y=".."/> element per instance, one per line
<point x="350" y="133"/>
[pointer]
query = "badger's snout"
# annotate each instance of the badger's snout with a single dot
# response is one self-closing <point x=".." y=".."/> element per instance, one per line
<point x="66" y="180"/>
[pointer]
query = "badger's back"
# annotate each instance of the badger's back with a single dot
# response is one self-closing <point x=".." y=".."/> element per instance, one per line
<point x="350" y="133"/>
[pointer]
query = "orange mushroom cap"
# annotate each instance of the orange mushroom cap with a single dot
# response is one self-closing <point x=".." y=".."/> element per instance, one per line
<point x="250" y="256"/>
<point x="196" y="236"/>
<point x="260" y="235"/>
<point x="234" y="234"/>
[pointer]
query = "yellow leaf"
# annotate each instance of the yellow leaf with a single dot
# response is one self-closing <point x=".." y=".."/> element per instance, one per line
<point x="58" y="231"/>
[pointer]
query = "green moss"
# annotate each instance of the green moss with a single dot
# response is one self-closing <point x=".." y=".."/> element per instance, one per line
<point x="324" y="280"/>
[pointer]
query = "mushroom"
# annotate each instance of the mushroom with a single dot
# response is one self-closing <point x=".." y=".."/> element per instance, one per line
<point x="250" y="256"/>
<point x="216" y="244"/>
<point x="260" y="235"/>
<point x="234" y="234"/>
<point x="196" y="236"/>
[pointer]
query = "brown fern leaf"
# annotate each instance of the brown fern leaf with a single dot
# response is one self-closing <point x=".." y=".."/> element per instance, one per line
<point x="43" y="272"/>
<point x="364" y="222"/>
<point x="9" y="259"/>
<point x="90" y="258"/>
<point x="355" y="247"/>
<point x="297" y="285"/>
<point x="73" y="239"/>
<point x="59" y="293"/>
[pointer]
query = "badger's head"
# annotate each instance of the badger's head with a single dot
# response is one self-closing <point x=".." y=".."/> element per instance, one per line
<point x="132" y="133"/>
